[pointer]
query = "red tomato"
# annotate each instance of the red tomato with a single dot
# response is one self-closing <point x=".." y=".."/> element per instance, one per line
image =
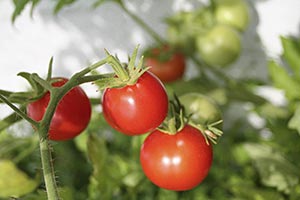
<point x="72" y="114"/>
<point x="166" y="64"/>
<point x="176" y="162"/>
<point x="136" y="109"/>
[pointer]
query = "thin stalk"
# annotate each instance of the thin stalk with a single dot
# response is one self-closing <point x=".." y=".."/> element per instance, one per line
<point x="18" y="111"/>
<point x="139" y="21"/>
<point x="48" y="170"/>
<point x="9" y="120"/>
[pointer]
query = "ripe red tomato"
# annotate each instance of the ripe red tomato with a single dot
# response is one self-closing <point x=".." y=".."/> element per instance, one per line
<point x="136" y="109"/>
<point x="168" y="65"/>
<point x="72" y="114"/>
<point x="176" y="162"/>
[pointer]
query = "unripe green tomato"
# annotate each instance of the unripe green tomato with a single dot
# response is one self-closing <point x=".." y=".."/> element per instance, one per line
<point x="180" y="33"/>
<point x="203" y="109"/>
<point x="233" y="12"/>
<point x="220" y="46"/>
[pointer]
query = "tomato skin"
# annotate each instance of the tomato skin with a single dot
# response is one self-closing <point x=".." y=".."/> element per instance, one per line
<point x="136" y="109"/>
<point x="71" y="116"/>
<point x="167" y="70"/>
<point x="176" y="162"/>
<point x="203" y="109"/>
<point x="233" y="12"/>
<point x="220" y="46"/>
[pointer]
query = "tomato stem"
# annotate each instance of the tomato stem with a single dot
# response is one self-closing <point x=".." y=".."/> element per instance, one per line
<point x="18" y="111"/>
<point x="10" y="119"/>
<point x="48" y="170"/>
<point x="56" y="94"/>
<point x="140" y="22"/>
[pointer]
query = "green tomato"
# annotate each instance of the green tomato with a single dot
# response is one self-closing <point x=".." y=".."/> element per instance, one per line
<point x="232" y="12"/>
<point x="203" y="110"/>
<point x="180" y="31"/>
<point x="220" y="46"/>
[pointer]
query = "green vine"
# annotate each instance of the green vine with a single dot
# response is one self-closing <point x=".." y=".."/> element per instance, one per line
<point x="119" y="78"/>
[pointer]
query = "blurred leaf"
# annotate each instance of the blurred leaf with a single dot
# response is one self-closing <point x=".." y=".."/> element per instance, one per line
<point x="166" y="194"/>
<point x="20" y="5"/>
<point x="273" y="168"/>
<point x="294" y="122"/>
<point x="291" y="53"/>
<point x="101" y="184"/>
<point x="270" y="111"/>
<point x="62" y="3"/>
<point x="14" y="182"/>
<point x="76" y="178"/>
<point x="247" y="192"/>
<point x="283" y="80"/>
<point x="17" y="149"/>
<point x="9" y="120"/>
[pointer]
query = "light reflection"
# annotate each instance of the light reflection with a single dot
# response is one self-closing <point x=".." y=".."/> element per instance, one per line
<point x="171" y="161"/>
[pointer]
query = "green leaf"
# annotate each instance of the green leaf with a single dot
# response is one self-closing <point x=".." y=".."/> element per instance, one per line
<point x="294" y="122"/>
<point x="270" y="111"/>
<point x="100" y="2"/>
<point x="284" y="81"/>
<point x="20" y="5"/>
<point x="273" y="168"/>
<point x="62" y="3"/>
<point x="14" y="182"/>
<point x="291" y="53"/>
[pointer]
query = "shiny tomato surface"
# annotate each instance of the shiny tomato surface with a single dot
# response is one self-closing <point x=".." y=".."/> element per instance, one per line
<point x="176" y="162"/>
<point x="138" y="108"/>
<point x="71" y="116"/>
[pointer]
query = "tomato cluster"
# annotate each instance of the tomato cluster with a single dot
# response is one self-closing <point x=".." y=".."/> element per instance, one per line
<point x="212" y="32"/>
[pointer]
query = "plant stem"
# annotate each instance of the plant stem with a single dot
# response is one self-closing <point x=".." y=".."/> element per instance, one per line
<point x="9" y="120"/>
<point x="18" y="111"/>
<point x="139" y="21"/>
<point x="48" y="169"/>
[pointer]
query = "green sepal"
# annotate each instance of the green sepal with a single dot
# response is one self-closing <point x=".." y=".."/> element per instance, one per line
<point x="124" y="74"/>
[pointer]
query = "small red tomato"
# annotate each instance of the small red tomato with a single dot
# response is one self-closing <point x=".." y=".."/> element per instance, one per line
<point x="71" y="116"/>
<point x="176" y="162"/>
<point x="168" y="65"/>
<point x="136" y="109"/>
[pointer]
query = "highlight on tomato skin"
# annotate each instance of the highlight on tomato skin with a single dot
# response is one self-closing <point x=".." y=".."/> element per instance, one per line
<point x="167" y="64"/>
<point x="136" y="109"/>
<point x="71" y="116"/>
<point x="176" y="162"/>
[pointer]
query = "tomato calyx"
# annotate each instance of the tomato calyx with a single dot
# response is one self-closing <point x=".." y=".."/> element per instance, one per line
<point x="209" y="131"/>
<point x="177" y="119"/>
<point x="124" y="74"/>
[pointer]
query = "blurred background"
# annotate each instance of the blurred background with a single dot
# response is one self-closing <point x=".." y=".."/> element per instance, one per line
<point x="77" y="35"/>
<point x="256" y="90"/>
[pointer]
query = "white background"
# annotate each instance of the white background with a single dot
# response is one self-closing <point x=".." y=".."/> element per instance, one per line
<point x="77" y="35"/>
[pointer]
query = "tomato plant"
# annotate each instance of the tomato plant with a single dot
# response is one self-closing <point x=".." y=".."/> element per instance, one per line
<point x="176" y="162"/>
<point x="167" y="64"/>
<point x="72" y="114"/>
<point x="203" y="110"/>
<point x="233" y="12"/>
<point x="220" y="46"/>
<point x="138" y="108"/>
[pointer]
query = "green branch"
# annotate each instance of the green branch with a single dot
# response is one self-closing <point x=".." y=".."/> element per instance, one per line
<point x="19" y="112"/>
